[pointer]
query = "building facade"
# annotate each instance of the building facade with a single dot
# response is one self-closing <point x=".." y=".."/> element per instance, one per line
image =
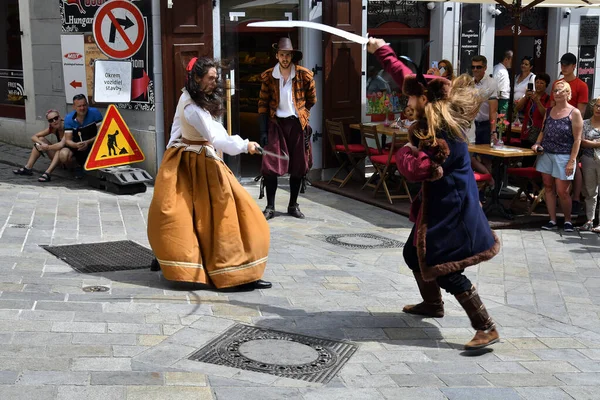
<point x="33" y="80"/>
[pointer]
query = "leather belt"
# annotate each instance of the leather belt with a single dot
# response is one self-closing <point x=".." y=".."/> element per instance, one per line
<point x="194" y="142"/>
<point x="290" y="117"/>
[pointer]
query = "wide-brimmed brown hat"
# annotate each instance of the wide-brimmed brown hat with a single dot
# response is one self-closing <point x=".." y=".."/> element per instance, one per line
<point x="285" y="44"/>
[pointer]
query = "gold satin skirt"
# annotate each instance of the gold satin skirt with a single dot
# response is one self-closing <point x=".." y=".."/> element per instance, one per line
<point x="203" y="226"/>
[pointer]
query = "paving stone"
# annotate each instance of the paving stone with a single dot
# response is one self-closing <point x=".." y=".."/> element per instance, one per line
<point x="185" y="379"/>
<point x="410" y="393"/>
<point x="582" y="392"/>
<point x="417" y="380"/>
<point x="543" y="394"/>
<point x="171" y="393"/>
<point x="480" y="393"/>
<point x="91" y="393"/>
<point x="522" y="380"/>
<point x="8" y="377"/>
<point x="548" y="367"/>
<point x="32" y="392"/>
<point x="101" y="364"/>
<point x="580" y="379"/>
<point x="127" y="378"/>
<point x="105" y="338"/>
<point x="53" y="378"/>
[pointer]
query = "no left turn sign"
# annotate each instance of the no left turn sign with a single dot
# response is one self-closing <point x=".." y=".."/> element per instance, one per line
<point x="119" y="29"/>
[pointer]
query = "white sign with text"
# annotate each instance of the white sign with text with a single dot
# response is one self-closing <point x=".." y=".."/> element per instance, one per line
<point x="112" y="81"/>
<point x="73" y="62"/>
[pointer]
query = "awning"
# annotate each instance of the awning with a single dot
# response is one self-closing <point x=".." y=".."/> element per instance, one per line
<point x="525" y="3"/>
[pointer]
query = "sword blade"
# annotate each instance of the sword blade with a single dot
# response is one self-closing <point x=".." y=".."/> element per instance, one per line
<point x="312" y="25"/>
<point x="264" y="152"/>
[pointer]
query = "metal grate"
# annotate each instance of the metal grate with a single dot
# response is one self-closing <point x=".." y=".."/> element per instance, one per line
<point x="363" y="241"/>
<point x="305" y="358"/>
<point x="104" y="257"/>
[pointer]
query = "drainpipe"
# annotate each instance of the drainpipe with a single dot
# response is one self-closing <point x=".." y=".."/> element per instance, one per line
<point x="159" y="117"/>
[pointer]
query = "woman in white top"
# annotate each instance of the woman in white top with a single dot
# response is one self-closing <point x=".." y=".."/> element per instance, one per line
<point x="524" y="78"/>
<point x="203" y="226"/>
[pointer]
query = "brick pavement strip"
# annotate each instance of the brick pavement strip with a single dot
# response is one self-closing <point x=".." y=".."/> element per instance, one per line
<point x="133" y="342"/>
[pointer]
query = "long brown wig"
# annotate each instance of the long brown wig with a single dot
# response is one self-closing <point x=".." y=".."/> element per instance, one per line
<point x="213" y="102"/>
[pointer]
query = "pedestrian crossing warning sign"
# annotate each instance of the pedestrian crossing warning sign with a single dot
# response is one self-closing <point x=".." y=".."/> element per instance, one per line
<point x="114" y="144"/>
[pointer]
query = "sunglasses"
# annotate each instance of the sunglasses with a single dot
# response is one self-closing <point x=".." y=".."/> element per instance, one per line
<point x="557" y="91"/>
<point x="476" y="66"/>
<point x="51" y="120"/>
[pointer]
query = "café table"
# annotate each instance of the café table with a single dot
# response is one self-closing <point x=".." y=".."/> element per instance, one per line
<point x="499" y="164"/>
<point x="385" y="131"/>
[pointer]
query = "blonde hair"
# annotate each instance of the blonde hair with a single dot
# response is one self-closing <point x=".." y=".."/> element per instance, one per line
<point x="566" y="88"/>
<point x="454" y="113"/>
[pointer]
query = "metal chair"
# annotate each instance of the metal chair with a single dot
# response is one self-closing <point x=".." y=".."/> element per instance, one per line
<point x="385" y="165"/>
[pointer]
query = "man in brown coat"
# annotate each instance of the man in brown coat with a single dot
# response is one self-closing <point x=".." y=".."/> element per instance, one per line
<point x="287" y="94"/>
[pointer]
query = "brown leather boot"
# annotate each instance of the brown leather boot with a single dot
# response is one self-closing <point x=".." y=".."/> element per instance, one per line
<point x="432" y="305"/>
<point x="480" y="320"/>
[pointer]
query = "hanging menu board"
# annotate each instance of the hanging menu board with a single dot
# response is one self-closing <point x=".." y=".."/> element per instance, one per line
<point x="469" y="35"/>
<point x="588" y="30"/>
<point x="587" y="66"/>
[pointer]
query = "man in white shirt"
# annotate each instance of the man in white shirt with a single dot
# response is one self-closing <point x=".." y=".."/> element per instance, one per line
<point x="485" y="121"/>
<point x="502" y="77"/>
<point x="287" y="94"/>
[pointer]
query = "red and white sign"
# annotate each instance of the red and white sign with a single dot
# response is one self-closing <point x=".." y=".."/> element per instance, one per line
<point x="73" y="61"/>
<point x="114" y="144"/>
<point x="119" y="29"/>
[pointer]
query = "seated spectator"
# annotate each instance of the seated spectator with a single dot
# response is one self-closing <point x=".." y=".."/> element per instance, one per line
<point x="81" y="128"/>
<point x="56" y="152"/>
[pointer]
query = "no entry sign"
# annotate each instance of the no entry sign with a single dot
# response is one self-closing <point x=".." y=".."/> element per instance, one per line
<point x="119" y="29"/>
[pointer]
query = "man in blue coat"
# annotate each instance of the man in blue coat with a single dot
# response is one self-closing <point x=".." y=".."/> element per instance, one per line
<point x="451" y="231"/>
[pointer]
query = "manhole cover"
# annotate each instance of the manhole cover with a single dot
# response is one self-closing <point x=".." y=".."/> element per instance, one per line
<point x="104" y="257"/>
<point x="91" y="289"/>
<point x="360" y="241"/>
<point x="277" y="353"/>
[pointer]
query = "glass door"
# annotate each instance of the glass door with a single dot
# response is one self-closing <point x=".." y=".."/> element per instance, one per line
<point x="248" y="52"/>
<point x="12" y="96"/>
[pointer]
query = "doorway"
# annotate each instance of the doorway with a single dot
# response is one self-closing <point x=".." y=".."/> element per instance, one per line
<point x="12" y="96"/>
<point x="247" y="52"/>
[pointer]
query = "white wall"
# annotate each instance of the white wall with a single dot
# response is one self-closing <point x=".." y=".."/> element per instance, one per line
<point x="443" y="32"/>
<point x="311" y="46"/>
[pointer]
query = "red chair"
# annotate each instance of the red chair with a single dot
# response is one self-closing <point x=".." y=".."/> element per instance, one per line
<point x="354" y="153"/>
<point x="483" y="180"/>
<point x="524" y="177"/>
<point x="385" y="165"/>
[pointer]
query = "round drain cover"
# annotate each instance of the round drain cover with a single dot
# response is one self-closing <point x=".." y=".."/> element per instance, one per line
<point x="280" y="352"/>
<point x="96" y="289"/>
<point x="360" y="240"/>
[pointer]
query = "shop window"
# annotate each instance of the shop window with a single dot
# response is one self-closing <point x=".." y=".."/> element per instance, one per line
<point x="532" y="36"/>
<point x="12" y="96"/>
<point x="248" y="52"/>
<point x="405" y="26"/>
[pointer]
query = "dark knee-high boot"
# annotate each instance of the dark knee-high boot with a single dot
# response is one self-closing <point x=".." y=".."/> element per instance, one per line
<point x="432" y="305"/>
<point x="480" y="320"/>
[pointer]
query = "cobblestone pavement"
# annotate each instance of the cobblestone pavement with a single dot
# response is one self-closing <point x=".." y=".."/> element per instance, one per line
<point x="58" y="342"/>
